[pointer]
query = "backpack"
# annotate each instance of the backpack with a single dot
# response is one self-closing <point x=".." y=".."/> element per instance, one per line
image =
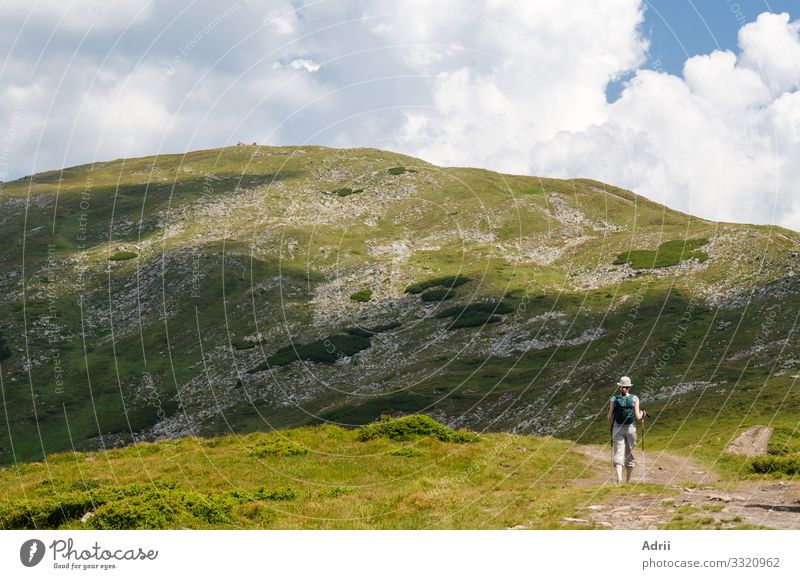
<point x="623" y="409"/>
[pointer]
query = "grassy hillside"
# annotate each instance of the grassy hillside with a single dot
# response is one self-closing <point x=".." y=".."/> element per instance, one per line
<point x="213" y="292"/>
<point x="313" y="477"/>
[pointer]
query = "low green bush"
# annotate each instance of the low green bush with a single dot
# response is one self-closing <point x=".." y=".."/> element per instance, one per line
<point x="159" y="505"/>
<point x="477" y="308"/>
<point x="475" y="314"/>
<point x="122" y="255"/>
<point x="437" y="295"/>
<point x="668" y="254"/>
<point x="345" y="191"/>
<point x="326" y="351"/>
<point x="775" y="465"/>
<point x="361" y="296"/>
<point x="407" y="427"/>
<point x="474" y="320"/>
<point x="239" y="344"/>
<point x="399" y="170"/>
<point x="369" y="332"/>
<point x="449" y="282"/>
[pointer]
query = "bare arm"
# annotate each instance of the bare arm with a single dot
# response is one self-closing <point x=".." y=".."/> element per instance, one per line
<point x="638" y="413"/>
<point x="610" y="416"/>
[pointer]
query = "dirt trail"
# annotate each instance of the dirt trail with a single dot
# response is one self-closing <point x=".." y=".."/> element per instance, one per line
<point x="694" y="495"/>
<point x="752" y="442"/>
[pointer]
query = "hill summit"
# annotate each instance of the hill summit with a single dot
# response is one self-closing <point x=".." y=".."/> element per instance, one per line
<point x="251" y="288"/>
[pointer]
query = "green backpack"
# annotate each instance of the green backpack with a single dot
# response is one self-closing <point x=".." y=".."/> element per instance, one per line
<point x="623" y="409"/>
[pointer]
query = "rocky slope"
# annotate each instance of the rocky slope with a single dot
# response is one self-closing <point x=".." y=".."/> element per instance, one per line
<point x="214" y="291"/>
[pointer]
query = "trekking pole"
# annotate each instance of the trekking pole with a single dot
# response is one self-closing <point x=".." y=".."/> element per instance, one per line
<point x="643" y="416"/>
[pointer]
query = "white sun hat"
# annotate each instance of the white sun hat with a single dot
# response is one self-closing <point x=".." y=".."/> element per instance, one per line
<point x="624" y="382"/>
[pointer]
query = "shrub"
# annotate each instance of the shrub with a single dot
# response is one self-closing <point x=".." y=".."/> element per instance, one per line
<point x="477" y="308"/>
<point x="777" y="465"/>
<point x="239" y="344"/>
<point x="450" y="281"/>
<point x="437" y="295"/>
<point x="44" y="513"/>
<point x="408" y="427"/>
<point x="668" y="254"/>
<point x="134" y="506"/>
<point x="361" y="296"/>
<point x="345" y="191"/>
<point x="122" y="255"/>
<point x="5" y="352"/>
<point x="265" y="494"/>
<point x="369" y="332"/>
<point x="399" y="170"/>
<point x="85" y="484"/>
<point x="474" y="320"/>
<point x="279" y="447"/>
<point x="475" y="314"/>
<point x="325" y="351"/>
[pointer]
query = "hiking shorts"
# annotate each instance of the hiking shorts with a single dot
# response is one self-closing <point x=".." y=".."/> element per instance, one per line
<point x="624" y="437"/>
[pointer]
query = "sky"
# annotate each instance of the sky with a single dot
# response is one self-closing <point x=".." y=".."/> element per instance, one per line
<point x="693" y="104"/>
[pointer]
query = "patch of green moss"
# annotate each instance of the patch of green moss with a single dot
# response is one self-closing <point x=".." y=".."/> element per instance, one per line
<point x="361" y="296"/>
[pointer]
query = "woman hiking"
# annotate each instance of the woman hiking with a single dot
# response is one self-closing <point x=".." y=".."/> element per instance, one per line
<point x="624" y="411"/>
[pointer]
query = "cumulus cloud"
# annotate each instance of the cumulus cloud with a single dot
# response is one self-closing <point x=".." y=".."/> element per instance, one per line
<point x="517" y="87"/>
<point x="720" y="142"/>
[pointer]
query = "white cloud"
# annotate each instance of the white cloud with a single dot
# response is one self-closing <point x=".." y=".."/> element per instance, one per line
<point x="720" y="142"/>
<point x="76" y="15"/>
<point x="511" y="86"/>
<point x="299" y="64"/>
<point x="771" y="47"/>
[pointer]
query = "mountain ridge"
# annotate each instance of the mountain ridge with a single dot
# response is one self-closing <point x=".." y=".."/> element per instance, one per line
<point x="184" y="273"/>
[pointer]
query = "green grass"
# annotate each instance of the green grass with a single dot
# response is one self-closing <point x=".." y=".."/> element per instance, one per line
<point x="494" y="482"/>
<point x="226" y="269"/>
<point x="784" y="440"/>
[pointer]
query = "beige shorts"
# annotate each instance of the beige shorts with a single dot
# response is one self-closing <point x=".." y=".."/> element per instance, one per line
<point x="624" y="437"/>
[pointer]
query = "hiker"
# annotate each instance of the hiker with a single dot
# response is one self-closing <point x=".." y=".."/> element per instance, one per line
<point x="624" y="411"/>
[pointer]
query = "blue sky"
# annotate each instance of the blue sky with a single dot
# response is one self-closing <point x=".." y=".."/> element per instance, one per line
<point x="678" y="29"/>
<point x="694" y="105"/>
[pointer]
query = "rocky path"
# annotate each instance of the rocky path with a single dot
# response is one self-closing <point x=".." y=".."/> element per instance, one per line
<point x="752" y="442"/>
<point x="693" y="497"/>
